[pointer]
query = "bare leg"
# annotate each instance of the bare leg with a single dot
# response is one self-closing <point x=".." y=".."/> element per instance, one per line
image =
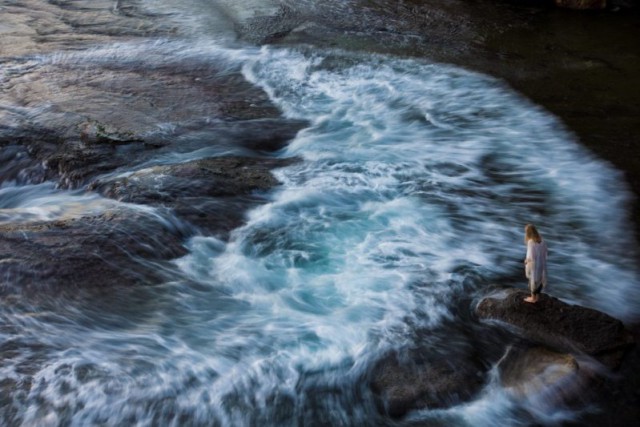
<point x="532" y="299"/>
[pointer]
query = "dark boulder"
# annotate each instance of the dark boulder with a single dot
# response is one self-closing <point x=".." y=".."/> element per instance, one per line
<point x="561" y="326"/>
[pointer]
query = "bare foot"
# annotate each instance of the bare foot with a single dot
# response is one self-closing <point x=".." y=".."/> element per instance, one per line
<point x="531" y="300"/>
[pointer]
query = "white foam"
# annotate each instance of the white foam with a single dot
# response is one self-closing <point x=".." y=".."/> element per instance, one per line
<point x="42" y="202"/>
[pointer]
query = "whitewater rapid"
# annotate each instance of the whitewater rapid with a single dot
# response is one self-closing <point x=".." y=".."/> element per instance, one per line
<point x="415" y="182"/>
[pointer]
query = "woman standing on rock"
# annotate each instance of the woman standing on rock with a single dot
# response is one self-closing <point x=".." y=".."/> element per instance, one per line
<point x="535" y="264"/>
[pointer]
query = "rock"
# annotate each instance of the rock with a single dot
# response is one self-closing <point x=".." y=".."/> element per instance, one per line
<point x="582" y="4"/>
<point x="73" y="163"/>
<point x="261" y="135"/>
<point x="408" y="382"/>
<point x="561" y="326"/>
<point x="100" y="148"/>
<point x="16" y="165"/>
<point x="213" y="177"/>
<point x="535" y="372"/>
<point x="211" y="193"/>
<point x="116" y="248"/>
<point x="44" y="154"/>
<point x="94" y="132"/>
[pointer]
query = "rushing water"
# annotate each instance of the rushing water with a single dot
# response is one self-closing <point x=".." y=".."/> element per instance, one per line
<point x="415" y="183"/>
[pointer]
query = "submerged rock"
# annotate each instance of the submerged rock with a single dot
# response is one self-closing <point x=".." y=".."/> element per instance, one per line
<point x="213" y="177"/>
<point x="561" y="326"/>
<point x="539" y="373"/>
<point x="408" y="382"/>
<point x="211" y="193"/>
<point x="115" y="248"/>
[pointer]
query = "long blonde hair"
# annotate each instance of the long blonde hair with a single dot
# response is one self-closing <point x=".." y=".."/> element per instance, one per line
<point x="531" y="233"/>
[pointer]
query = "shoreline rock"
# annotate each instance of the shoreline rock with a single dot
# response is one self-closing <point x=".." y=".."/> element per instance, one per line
<point x="560" y="326"/>
<point x="563" y="355"/>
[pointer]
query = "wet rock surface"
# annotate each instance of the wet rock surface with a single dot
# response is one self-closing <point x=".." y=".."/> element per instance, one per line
<point x="617" y="398"/>
<point x="411" y="381"/>
<point x="563" y="355"/>
<point x="582" y="4"/>
<point x="77" y="110"/>
<point x="434" y="375"/>
<point x="213" y="177"/>
<point x="33" y="26"/>
<point x="537" y="371"/>
<point x="210" y="193"/>
<point x="547" y="354"/>
<point x="118" y="248"/>
<point x="562" y="326"/>
<point x="34" y="155"/>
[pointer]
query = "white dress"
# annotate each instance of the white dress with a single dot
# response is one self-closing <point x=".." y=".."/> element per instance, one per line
<point x="536" y="267"/>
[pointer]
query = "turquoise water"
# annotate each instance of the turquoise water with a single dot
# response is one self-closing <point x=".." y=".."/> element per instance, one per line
<point x="415" y="183"/>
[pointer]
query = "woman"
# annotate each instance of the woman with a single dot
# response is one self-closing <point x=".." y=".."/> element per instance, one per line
<point x="535" y="264"/>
